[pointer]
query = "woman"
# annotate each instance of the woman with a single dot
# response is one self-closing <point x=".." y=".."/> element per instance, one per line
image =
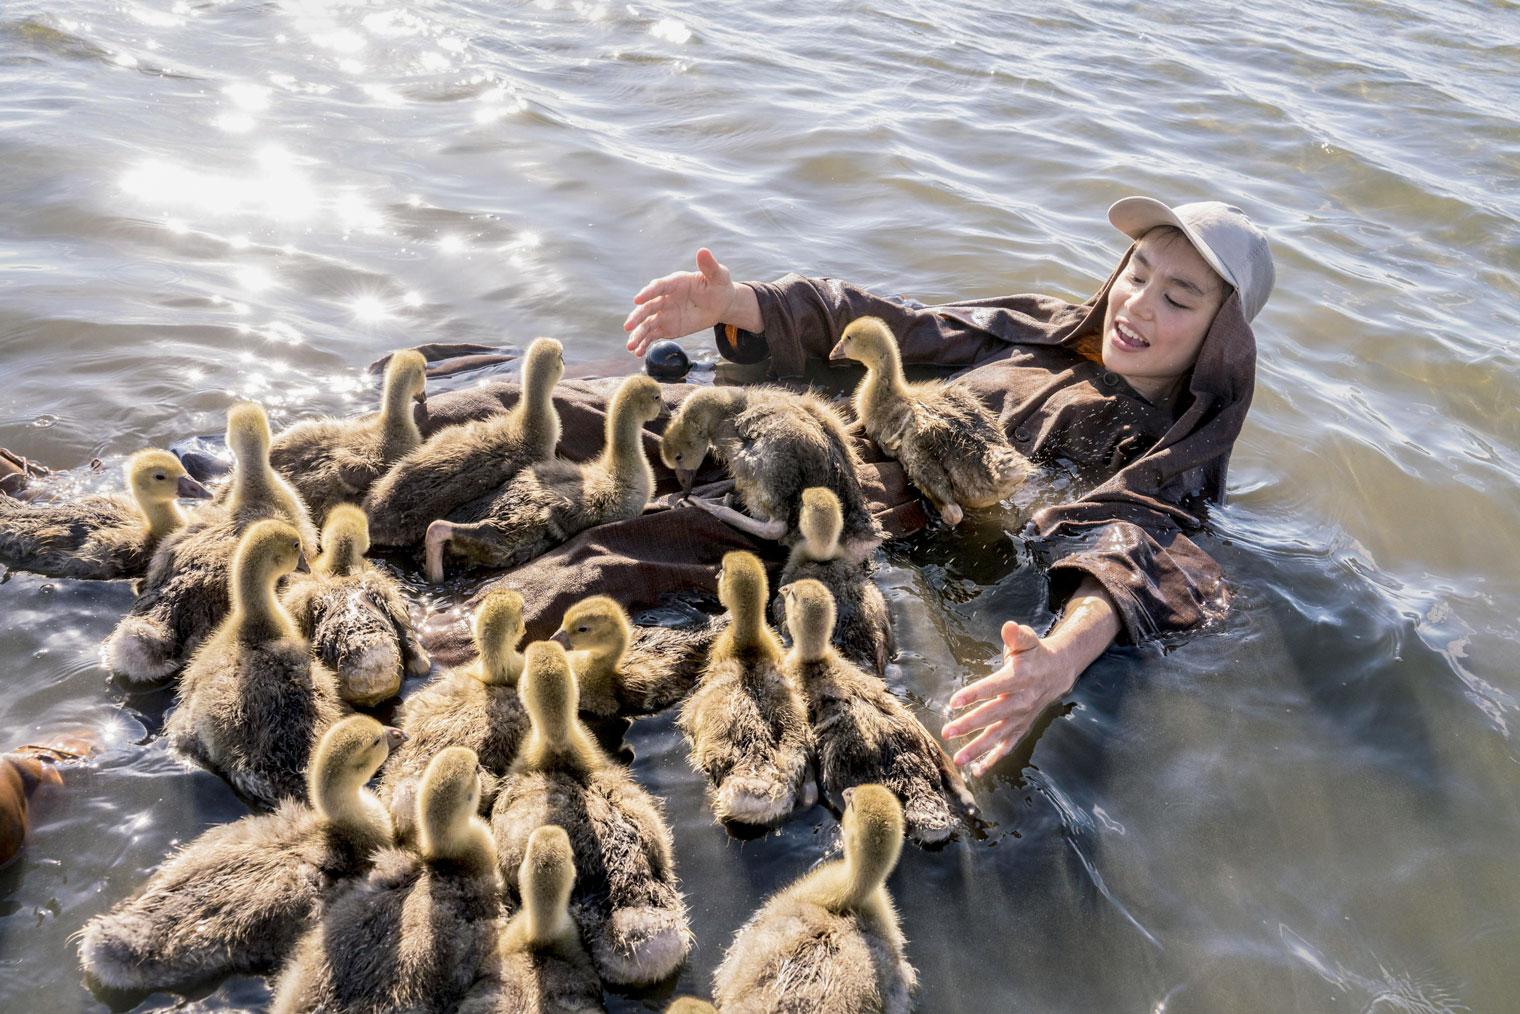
<point x="1143" y="388"/>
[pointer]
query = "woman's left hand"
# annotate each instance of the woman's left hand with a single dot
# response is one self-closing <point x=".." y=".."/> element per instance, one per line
<point x="1035" y="674"/>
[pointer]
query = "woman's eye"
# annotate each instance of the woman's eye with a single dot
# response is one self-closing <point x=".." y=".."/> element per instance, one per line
<point x="1136" y="279"/>
<point x="1178" y="305"/>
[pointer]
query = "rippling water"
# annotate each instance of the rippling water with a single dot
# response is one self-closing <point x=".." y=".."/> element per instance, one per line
<point x="1313" y="806"/>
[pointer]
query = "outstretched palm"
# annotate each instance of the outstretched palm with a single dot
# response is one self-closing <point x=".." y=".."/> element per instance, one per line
<point x="680" y="304"/>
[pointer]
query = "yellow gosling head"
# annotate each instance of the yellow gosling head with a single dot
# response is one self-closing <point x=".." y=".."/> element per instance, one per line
<point x="405" y="379"/>
<point x="498" y="627"/>
<point x="154" y="476"/>
<point x="347" y="756"/>
<point x="821" y="520"/>
<point x="742" y="584"/>
<point x="248" y="434"/>
<point x="544" y="881"/>
<point x="689" y="432"/>
<point x="638" y="399"/>
<point x="597" y="625"/>
<point x="867" y="340"/>
<point x="543" y="365"/>
<point x="447" y="803"/>
<point x="345" y="540"/>
<point x="810" y="617"/>
<point x="268" y="551"/>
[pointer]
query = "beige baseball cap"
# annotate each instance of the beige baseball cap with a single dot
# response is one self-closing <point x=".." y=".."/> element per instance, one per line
<point x="1221" y="233"/>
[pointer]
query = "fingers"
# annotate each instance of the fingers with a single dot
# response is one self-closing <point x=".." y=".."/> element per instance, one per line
<point x="715" y="273"/>
<point x="984" y="689"/>
<point x="989" y="712"/>
<point x="1019" y="637"/>
<point x="991" y="740"/>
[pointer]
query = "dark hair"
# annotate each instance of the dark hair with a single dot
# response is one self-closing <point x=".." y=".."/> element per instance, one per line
<point x="1168" y="233"/>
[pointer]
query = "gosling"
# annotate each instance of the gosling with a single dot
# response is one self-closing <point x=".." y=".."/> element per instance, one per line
<point x="354" y="615"/>
<point x="100" y="538"/>
<point x="542" y="967"/>
<point x="253" y="702"/>
<point x="332" y="461"/>
<point x="948" y="442"/>
<point x="863" y="733"/>
<point x="863" y="631"/>
<point x="549" y="502"/>
<point x="831" y="941"/>
<point x="625" y="670"/>
<point x="745" y="721"/>
<point x="775" y="444"/>
<point x="627" y="897"/>
<point x="473" y="705"/>
<point x="459" y="464"/>
<point x="238" y="897"/>
<point x="185" y="595"/>
<point x="414" y="934"/>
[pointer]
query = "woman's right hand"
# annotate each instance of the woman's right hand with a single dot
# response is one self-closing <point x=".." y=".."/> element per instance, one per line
<point x="687" y="302"/>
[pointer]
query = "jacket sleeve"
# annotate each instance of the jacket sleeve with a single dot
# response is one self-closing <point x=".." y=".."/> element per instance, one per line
<point x="1161" y="581"/>
<point x="804" y="318"/>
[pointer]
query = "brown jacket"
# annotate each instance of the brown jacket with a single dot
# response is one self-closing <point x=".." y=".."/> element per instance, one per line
<point x="1146" y="468"/>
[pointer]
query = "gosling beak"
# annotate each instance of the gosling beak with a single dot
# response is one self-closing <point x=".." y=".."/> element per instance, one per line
<point x="302" y="567"/>
<point x="685" y="476"/>
<point x="192" y="490"/>
<point x="420" y="397"/>
<point x="394" y="737"/>
<point x="562" y="638"/>
<point x="837" y="353"/>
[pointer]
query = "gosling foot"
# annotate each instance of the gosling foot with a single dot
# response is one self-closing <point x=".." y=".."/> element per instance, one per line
<point x="438" y="535"/>
<point x="952" y="514"/>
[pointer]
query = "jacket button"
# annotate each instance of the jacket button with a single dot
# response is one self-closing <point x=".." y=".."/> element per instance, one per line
<point x="1110" y="379"/>
<point x="1021" y="435"/>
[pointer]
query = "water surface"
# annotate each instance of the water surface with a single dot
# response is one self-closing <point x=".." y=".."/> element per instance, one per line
<point x="1313" y="806"/>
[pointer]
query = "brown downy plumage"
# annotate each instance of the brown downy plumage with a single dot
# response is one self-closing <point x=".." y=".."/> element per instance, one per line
<point x="415" y="933"/>
<point x="831" y="941"/>
<point x="627" y="899"/>
<point x="690" y="1005"/>
<point x="332" y="461"/>
<point x="627" y="670"/>
<point x="863" y="627"/>
<point x="459" y="464"/>
<point x="237" y="898"/>
<point x="253" y="702"/>
<point x="185" y="594"/>
<point x="745" y="720"/>
<point x="775" y="443"/>
<point x="357" y="621"/>
<point x="474" y="705"/>
<point x="861" y="732"/>
<point x="100" y="537"/>
<point x="547" y="503"/>
<point x="542" y="967"/>
<point x="949" y="443"/>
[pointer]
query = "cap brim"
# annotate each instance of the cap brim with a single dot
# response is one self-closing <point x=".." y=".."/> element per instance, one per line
<point x="1135" y="216"/>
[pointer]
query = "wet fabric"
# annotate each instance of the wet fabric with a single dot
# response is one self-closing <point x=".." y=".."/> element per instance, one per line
<point x="1150" y="470"/>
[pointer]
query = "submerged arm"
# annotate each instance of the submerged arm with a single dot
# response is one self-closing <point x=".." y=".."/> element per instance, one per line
<point x="1036" y="673"/>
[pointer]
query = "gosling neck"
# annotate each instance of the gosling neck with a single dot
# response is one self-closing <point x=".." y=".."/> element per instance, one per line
<point x="883" y="380"/>
<point x="342" y="557"/>
<point x="344" y="802"/>
<point x="546" y="920"/>
<point x="254" y="481"/>
<point x="747" y="632"/>
<point x="625" y="442"/>
<point x="599" y="664"/>
<point x="816" y="547"/>
<point x="560" y="742"/>
<point x="810" y="642"/>
<point x="535" y="411"/>
<point x="256" y="610"/>
<point x="464" y="839"/>
<point x="164" y="516"/>
<point x="398" y="425"/>
<point x="498" y="666"/>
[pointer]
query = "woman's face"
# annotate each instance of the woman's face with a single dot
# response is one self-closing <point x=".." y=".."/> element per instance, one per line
<point x="1159" y="309"/>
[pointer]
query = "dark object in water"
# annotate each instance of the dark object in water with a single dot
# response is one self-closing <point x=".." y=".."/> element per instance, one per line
<point x="666" y="360"/>
<point x="16" y="472"/>
<point x="206" y="458"/>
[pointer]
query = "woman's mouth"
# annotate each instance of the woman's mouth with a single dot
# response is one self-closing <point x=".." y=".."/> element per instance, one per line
<point x="1129" y="340"/>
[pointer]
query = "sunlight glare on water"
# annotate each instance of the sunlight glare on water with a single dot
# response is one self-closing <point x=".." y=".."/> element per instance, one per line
<point x="1311" y="806"/>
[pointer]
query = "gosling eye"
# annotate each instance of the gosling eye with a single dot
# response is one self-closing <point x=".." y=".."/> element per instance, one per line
<point x="375" y="741"/>
<point x="679" y="456"/>
<point x="582" y="629"/>
<point x="159" y="476"/>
